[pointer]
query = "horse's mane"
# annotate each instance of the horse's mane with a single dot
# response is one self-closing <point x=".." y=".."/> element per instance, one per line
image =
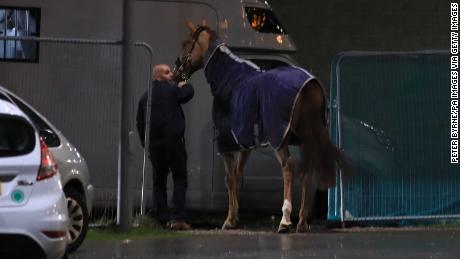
<point x="212" y="34"/>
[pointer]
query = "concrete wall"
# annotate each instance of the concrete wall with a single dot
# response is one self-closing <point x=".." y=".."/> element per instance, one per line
<point x="322" y="28"/>
<point x="100" y="19"/>
<point x="76" y="86"/>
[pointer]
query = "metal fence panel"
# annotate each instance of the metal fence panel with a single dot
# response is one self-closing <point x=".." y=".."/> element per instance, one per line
<point x="76" y="84"/>
<point x="390" y="112"/>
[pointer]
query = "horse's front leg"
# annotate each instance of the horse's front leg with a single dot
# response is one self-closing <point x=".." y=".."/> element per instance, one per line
<point x="287" y="166"/>
<point x="234" y="165"/>
<point x="243" y="157"/>
<point x="303" y="225"/>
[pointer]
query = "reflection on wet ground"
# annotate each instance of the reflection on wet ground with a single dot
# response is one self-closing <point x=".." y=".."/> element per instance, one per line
<point x="383" y="243"/>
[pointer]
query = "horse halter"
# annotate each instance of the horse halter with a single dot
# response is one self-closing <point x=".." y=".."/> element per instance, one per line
<point x="182" y="74"/>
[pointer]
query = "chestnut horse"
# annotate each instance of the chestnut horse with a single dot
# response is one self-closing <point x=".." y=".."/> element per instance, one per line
<point x="251" y="108"/>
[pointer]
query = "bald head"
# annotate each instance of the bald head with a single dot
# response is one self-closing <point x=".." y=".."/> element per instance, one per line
<point x="162" y="72"/>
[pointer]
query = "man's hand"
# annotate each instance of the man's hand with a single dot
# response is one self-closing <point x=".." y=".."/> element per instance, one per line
<point x="181" y="84"/>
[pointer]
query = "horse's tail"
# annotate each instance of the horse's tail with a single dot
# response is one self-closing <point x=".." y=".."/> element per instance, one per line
<point x="319" y="154"/>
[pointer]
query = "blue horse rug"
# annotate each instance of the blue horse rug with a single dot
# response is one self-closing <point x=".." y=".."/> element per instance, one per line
<point x="251" y="107"/>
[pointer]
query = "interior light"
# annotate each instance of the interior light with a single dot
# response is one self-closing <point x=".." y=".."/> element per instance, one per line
<point x="279" y="39"/>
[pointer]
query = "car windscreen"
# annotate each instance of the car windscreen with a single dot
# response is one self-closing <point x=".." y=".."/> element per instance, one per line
<point x="17" y="137"/>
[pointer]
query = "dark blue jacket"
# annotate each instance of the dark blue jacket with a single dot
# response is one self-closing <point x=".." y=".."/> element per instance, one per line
<point x="167" y="121"/>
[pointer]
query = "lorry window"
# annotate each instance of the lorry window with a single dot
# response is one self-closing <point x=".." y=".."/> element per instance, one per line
<point x="264" y="20"/>
<point x="267" y="64"/>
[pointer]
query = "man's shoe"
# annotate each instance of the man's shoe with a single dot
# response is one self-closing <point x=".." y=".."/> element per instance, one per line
<point x="179" y="225"/>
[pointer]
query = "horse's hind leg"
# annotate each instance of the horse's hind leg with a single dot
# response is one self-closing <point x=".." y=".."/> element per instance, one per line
<point x="302" y="225"/>
<point x="234" y="165"/>
<point x="287" y="166"/>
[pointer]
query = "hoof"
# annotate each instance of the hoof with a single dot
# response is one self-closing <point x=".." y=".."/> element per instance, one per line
<point x="227" y="225"/>
<point x="284" y="228"/>
<point x="302" y="228"/>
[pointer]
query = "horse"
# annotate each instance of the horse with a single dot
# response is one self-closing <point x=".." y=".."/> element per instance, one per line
<point x="251" y="108"/>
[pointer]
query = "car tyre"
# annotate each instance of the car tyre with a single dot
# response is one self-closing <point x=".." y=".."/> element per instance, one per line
<point x="78" y="216"/>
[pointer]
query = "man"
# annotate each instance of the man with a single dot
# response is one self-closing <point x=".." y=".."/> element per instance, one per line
<point x="167" y="147"/>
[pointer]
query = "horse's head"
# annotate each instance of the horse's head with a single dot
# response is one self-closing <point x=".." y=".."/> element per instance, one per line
<point x="194" y="48"/>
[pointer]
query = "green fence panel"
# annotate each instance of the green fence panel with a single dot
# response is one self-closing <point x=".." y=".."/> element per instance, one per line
<point x="390" y="113"/>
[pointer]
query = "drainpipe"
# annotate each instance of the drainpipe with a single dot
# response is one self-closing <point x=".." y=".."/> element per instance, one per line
<point x="125" y="193"/>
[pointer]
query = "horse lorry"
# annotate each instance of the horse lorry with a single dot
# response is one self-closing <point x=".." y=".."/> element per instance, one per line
<point x="252" y="31"/>
<point x="80" y="88"/>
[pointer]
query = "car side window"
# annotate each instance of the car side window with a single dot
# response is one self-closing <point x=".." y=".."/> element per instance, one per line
<point x="49" y="136"/>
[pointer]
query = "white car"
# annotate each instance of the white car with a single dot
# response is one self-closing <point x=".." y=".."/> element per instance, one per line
<point x="34" y="220"/>
<point x="72" y="166"/>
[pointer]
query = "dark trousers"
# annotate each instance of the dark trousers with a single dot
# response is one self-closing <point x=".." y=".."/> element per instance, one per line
<point x="169" y="156"/>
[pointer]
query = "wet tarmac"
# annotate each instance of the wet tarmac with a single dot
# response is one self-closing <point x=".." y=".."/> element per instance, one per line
<point x="248" y="244"/>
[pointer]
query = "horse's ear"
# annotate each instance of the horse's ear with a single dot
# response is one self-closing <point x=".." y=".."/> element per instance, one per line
<point x="191" y="26"/>
<point x="204" y="23"/>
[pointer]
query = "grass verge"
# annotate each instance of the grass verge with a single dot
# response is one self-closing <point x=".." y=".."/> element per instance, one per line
<point x="148" y="229"/>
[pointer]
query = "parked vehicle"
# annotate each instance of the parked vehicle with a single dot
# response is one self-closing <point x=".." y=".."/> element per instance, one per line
<point x="34" y="220"/>
<point x="72" y="166"/>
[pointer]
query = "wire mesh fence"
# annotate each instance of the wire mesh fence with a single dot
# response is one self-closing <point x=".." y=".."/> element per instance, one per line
<point x="390" y="114"/>
<point x="76" y="85"/>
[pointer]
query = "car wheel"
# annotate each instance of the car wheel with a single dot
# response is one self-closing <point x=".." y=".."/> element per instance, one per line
<point x="78" y="216"/>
